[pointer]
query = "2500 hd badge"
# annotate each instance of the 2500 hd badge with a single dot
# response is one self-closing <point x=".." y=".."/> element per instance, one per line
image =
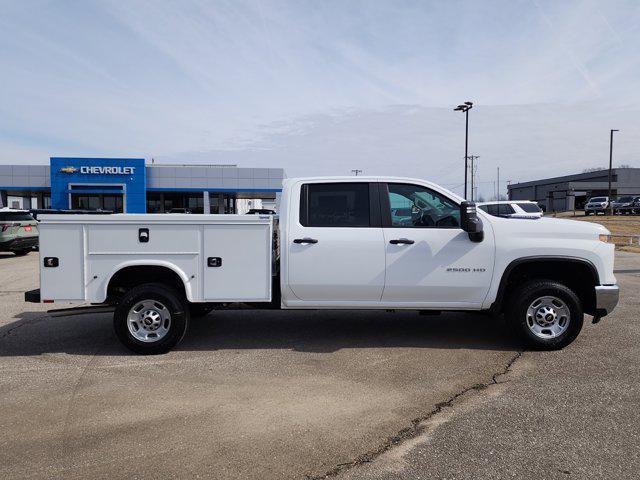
<point x="466" y="270"/>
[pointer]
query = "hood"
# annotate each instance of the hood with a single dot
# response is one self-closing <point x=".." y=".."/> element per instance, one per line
<point x="550" y="227"/>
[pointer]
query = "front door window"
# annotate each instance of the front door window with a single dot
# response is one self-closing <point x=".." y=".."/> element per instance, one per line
<point x="416" y="206"/>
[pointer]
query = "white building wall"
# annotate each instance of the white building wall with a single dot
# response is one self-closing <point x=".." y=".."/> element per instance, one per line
<point x="243" y="205"/>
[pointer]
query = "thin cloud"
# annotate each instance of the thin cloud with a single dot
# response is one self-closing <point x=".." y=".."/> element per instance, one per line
<point x="299" y="84"/>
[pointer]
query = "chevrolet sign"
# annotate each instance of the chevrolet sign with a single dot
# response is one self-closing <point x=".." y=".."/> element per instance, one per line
<point x="100" y="170"/>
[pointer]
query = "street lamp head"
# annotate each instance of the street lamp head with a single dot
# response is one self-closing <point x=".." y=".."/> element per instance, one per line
<point x="614" y="130"/>
<point x="459" y="107"/>
<point x="469" y="103"/>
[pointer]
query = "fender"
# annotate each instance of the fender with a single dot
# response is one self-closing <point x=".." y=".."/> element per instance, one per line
<point x="142" y="263"/>
<point x="497" y="303"/>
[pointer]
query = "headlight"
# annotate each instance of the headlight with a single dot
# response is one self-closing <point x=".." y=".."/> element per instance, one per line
<point x="603" y="238"/>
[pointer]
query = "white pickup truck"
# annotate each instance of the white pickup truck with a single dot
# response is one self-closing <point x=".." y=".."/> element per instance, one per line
<point x="340" y="243"/>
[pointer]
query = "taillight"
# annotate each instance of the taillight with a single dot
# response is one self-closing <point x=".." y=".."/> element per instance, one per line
<point x="5" y="226"/>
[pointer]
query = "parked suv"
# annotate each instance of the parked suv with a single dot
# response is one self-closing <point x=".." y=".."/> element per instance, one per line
<point x="595" y="205"/>
<point x="623" y="204"/>
<point x="514" y="209"/>
<point x="18" y="231"/>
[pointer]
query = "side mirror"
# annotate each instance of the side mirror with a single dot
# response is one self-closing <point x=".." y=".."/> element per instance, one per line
<point x="470" y="222"/>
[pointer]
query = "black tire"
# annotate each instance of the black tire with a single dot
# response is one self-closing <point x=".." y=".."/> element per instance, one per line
<point x="174" y="304"/>
<point x="586" y="213"/>
<point x="21" y="252"/>
<point x="519" y="320"/>
<point x="199" y="310"/>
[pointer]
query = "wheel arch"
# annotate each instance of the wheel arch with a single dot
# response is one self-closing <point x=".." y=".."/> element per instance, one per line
<point x="579" y="274"/>
<point x="136" y="272"/>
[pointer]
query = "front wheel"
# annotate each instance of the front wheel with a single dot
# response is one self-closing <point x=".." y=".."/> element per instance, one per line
<point x="545" y="314"/>
<point x="22" y="252"/>
<point x="151" y="319"/>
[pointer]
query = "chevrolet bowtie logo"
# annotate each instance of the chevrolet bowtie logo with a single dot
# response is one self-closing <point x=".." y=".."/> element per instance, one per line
<point x="68" y="169"/>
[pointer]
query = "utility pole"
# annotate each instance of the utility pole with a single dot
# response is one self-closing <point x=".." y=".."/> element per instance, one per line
<point x="473" y="174"/>
<point x="609" y="206"/>
<point x="498" y="189"/>
<point x="356" y="171"/>
<point x="465" y="107"/>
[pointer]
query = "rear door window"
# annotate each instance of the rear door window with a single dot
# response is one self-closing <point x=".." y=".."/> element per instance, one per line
<point x="335" y="205"/>
<point x="505" y="209"/>
<point x="491" y="209"/>
<point x="529" y="207"/>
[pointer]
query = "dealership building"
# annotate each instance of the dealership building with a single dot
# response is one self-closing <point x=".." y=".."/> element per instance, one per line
<point x="129" y="185"/>
<point x="571" y="192"/>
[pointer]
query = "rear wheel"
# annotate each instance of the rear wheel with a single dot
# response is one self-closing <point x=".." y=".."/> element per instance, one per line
<point x="545" y="314"/>
<point x="151" y="319"/>
<point x="21" y="252"/>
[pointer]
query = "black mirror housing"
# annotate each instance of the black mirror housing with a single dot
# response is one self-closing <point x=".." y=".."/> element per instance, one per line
<point x="470" y="222"/>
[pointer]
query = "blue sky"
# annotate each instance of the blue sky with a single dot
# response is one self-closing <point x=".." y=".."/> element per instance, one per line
<point x="320" y="87"/>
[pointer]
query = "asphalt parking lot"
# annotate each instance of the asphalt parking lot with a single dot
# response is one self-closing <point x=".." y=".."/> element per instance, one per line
<point x="304" y="394"/>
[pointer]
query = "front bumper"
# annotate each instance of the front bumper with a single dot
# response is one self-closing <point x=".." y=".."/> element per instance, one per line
<point x="607" y="297"/>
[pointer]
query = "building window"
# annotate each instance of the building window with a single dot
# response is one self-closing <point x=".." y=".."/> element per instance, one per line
<point x="97" y="201"/>
<point x="173" y="200"/>
<point x="154" y="202"/>
<point x="222" y="203"/>
<point x="195" y="202"/>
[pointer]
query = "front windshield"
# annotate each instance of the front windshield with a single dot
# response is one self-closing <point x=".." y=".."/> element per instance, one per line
<point x="625" y="199"/>
<point x="598" y="199"/>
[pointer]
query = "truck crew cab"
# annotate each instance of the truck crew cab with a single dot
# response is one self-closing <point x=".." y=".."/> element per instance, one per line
<point x="340" y="243"/>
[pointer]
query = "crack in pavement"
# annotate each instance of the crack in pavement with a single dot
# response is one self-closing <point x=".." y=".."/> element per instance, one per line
<point x="417" y="425"/>
<point x="21" y="324"/>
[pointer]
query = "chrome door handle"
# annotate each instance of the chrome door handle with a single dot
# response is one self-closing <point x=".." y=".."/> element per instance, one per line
<point x="401" y="241"/>
<point x="305" y="240"/>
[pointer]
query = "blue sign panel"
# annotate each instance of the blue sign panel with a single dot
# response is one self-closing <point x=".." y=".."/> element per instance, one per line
<point x="117" y="176"/>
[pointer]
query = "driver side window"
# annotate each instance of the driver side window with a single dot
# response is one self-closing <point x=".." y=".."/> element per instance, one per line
<point x="414" y="206"/>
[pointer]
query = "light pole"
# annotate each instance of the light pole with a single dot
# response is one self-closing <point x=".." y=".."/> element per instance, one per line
<point x="609" y="206"/>
<point x="465" y="107"/>
<point x="356" y="171"/>
<point x="473" y="173"/>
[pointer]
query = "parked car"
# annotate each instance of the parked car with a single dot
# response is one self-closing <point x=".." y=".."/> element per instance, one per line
<point x="179" y="210"/>
<point x="261" y="211"/>
<point x="596" y="205"/>
<point x="18" y="231"/>
<point x="513" y="209"/>
<point x="623" y="204"/>
<point x="371" y="243"/>
<point x="635" y="206"/>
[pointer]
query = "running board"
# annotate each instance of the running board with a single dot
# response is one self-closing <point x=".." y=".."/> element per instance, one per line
<point x="68" y="312"/>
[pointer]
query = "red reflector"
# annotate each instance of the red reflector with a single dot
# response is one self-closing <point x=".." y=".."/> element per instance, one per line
<point x="47" y="301"/>
<point x="27" y="228"/>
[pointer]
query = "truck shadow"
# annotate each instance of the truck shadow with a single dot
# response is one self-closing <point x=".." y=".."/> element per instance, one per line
<point x="35" y="333"/>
